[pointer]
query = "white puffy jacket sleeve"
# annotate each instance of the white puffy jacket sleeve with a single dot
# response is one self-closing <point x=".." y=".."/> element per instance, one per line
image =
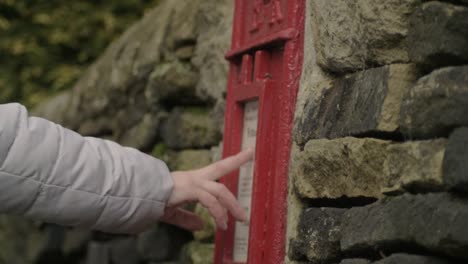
<point x="55" y="175"/>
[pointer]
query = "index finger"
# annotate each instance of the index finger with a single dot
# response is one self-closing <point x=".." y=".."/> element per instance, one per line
<point x="227" y="165"/>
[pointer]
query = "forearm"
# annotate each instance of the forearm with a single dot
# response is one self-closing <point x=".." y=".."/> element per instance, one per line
<point x="53" y="174"/>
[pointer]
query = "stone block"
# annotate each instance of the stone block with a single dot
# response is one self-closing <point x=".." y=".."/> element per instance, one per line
<point x="355" y="261"/>
<point x="162" y="243"/>
<point x="214" y="24"/>
<point x="182" y="29"/>
<point x="368" y="167"/>
<point x="172" y="83"/>
<point x="97" y="253"/>
<point x="153" y="244"/>
<point x="21" y="240"/>
<point x="189" y="159"/>
<point x="144" y="134"/>
<point x="434" y="222"/>
<point x="401" y="258"/>
<point x="438" y="34"/>
<point x="54" y="108"/>
<point x="110" y="96"/>
<point x="207" y="234"/>
<point x="318" y="236"/>
<point x="119" y="76"/>
<point x="76" y="240"/>
<point x="124" y="251"/>
<point x="190" y="128"/>
<point x="455" y="167"/>
<point x="334" y="168"/>
<point x="414" y="166"/>
<point x="354" y="35"/>
<point x="198" y="253"/>
<point x="185" y="52"/>
<point x="367" y="101"/>
<point x="436" y="104"/>
<point x="287" y="261"/>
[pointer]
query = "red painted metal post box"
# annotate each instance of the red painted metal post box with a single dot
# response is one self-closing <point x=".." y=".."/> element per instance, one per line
<point x="265" y="67"/>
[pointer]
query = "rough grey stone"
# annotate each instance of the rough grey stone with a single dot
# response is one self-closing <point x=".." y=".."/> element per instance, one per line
<point x="185" y="52"/>
<point x="414" y="166"/>
<point x="124" y="251"/>
<point x="190" y="128"/>
<point x="52" y="110"/>
<point x="354" y="35"/>
<point x="456" y="2"/>
<point x="76" y="240"/>
<point x="144" y="134"/>
<point x="20" y="240"/>
<point x="179" y="46"/>
<point x="435" y="222"/>
<point x="189" y="159"/>
<point x="318" y="236"/>
<point x="172" y="83"/>
<point x="97" y="253"/>
<point x="109" y="99"/>
<point x="207" y="234"/>
<point x="333" y="168"/>
<point x="438" y="35"/>
<point x="455" y="166"/>
<point x="355" y="167"/>
<point x="401" y="258"/>
<point x="334" y="47"/>
<point x="153" y="244"/>
<point x="52" y="249"/>
<point x="198" y="253"/>
<point x="436" y="104"/>
<point x="96" y="127"/>
<point x="355" y="261"/>
<point x="162" y="243"/>
<point x="214" y="24"/>
<point x="116" y="81"/>
<point x="182" y="29"/>
<point x="287" y="261"/>
<point x="364" y="102"/>
<point x="217" y="152"/>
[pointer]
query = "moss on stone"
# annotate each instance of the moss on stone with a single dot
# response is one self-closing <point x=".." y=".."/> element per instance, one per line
<point x="200" y="253"/>
<point x="159" y="150"/>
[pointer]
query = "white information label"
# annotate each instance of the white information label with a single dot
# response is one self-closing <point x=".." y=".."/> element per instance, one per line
<point x="244" y="189"/>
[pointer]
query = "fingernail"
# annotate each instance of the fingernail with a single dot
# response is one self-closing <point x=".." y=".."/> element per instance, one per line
<point x="224" y="226"/>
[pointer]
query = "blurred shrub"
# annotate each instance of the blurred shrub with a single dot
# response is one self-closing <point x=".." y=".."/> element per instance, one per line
<point x="46" y="44"/>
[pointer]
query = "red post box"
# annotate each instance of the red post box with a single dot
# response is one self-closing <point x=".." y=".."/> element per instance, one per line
<point x="265" y="67"/>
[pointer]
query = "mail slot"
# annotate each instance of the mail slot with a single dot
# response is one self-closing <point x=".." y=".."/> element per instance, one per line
<point x="265" y="67"/>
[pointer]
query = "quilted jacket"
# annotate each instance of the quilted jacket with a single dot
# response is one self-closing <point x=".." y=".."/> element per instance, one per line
<point x="53" y="174"/>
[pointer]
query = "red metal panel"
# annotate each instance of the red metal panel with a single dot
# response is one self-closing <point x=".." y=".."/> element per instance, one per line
<point x="262" y="65"/>
<point x="262" y="175"/>
<point x="292" y="69"/>
<point x="257" y="19"/>
<point x="265" y="65"/>
<point x="231" y="145"/>
<point x="246" y="73"/>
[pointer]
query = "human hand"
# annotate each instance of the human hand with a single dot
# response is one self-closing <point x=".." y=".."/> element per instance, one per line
<point x="200" y="186"/>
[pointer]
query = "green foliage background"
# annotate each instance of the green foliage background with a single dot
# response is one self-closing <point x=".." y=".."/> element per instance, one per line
<point x="46" y="44"/>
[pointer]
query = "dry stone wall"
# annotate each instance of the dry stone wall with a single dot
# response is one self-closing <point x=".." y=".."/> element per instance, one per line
<point x="379" y="167"/>
<point x="160" y="88"/>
